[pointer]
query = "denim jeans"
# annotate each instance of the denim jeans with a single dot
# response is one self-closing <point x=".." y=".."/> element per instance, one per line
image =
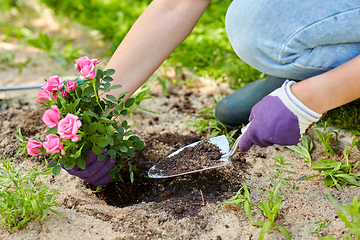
<point x="294" y="39"/>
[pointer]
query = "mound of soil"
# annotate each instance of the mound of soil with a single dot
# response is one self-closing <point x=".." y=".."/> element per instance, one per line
<point x="191" y="158"/>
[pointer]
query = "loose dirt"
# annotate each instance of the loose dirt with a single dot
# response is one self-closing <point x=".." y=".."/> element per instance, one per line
<point x="202" y="156"/>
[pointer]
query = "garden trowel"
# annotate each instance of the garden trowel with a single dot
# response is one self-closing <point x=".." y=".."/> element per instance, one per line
<point x="157" y="171"/>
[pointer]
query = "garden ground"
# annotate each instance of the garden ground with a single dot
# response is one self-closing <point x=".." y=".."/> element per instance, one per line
<point x="175" y="208"/>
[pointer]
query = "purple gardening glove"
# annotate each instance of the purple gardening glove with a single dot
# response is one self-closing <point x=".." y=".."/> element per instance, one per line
<point x="279" y="118"/>
<point x="95" y="172"/>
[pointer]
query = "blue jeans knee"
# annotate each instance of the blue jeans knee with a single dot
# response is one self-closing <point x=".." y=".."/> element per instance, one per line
<point x="294" y="39"/>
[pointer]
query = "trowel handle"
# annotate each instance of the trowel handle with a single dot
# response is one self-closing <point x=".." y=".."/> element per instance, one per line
<point x="234" y="146"/>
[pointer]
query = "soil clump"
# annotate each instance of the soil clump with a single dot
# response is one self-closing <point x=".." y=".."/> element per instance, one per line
<point x="201" y="156"/>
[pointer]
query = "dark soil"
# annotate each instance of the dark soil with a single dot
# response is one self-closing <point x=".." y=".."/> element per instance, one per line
<point x="201" y="156"/>
<point x="181" y="196"/>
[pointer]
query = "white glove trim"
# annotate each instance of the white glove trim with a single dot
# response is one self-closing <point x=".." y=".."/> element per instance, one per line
<point x="305" y="115"/>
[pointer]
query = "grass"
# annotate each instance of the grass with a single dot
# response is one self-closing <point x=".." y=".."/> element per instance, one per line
<point x="21" y="200"/>
<point x="206" y="52"/>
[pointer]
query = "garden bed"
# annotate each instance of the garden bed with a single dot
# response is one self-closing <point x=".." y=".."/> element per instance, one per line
<point x="172" y="208"/>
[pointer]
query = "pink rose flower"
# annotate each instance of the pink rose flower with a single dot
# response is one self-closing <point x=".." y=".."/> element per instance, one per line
<point x="45" y="94"/>
<point x="53" y="144"/>
<point x="53" y="84"/>
<point x="84" y="61"/>
<point x="70" y="85"/>
<point x="51" y="116"/>
<point x="33" y="147"/>
<point x="68" y="127"/>
<point x="88" y="72"/>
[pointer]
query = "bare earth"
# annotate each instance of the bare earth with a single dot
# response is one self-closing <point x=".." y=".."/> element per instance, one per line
<point x="176" y="208"/>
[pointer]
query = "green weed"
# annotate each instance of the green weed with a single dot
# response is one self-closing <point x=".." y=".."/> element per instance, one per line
<point x="325" y="137"/>
<point x="351" y="218"/>
<point x="206" y="52"/>
<point x="269" y="207"/>
<point x="64" y="56"/>
<point x="338" y="173"/>
<point x="20" y="199"/>
<point x="320" y="225"/>
<point x="206" y="123"/>
<point x="142" y="94"/>
<point x="303" y="148"/>
<point x="22" y="146"/>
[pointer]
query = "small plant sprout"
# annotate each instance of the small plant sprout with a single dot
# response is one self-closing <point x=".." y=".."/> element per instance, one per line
<point x="20" y="199"/>
<point x="22" y="146"/>
<point x="270" y="206"/>
<point x="303" y="148"/>
<point x="325" y="137"/>
<point x="350" y="216"/>
<point x="338" y="173"/>
<point x="240" y="200"/>
<point x="206" y="123"/>
<point x="142" y="94"/>
<point x="320" y="225"/>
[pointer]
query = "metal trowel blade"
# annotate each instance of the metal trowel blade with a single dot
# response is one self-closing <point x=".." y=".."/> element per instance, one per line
<point x="220" y="141"/>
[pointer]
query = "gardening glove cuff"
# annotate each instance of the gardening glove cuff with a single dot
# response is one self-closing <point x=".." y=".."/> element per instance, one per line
<point x="279" y="118"/>
<point x="305" y="115"/>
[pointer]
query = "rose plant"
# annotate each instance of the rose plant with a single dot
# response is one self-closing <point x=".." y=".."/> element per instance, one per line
<point x="86" y="136"/>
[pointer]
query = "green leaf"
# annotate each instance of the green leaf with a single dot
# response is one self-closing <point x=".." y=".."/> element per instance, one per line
<point x="129" y="102"/>
<point x="92" y="128"/>
<point x="91" y="113"/>
<point x="116" y="86"/>
<point x="56" y="170"/>
<point x="101" y="157"/>
<point x="71" y="108"/>
<point x="103" y="142"/>
<point x="101" y="128"/>
<point x="69" y="165"/>
<point x="111" y="153"/>
<point x="264" y="230"/>
<point x="107" y="79"/>
<point x="139" y="145"/>
<point x="110" y="130"/>
<point x="89" y="91"/>
<point x="94" y="138"/>
<point x="81" y="163"/>
<point x="349" y="179"/>
<point x="76" y="102"/>
<point x="128" y="143"/>
<point x="109" y="72"/>
<point x="96" y="149"/>
<point x="111" y="97"/>
<point x="100" y="73"/>
<point x="275" y="166"/>
<point x="284" y="231"/>
<point x="134" y="138"/>
<point x="52" y="164"/>
<point x="324" y="164"/>
<point x="85" y="99"/>
<point x="123" y="148"/>
<point x="328" y="237"/>
<point x="86" y="118"/>
<point x="131" y="152"/>
<point x="247" y="209"/>
<point x="57" y="213"/>
<point x="124" y="112"/>
<point x="52" y="130"/>
<point x="106" y="120"/>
